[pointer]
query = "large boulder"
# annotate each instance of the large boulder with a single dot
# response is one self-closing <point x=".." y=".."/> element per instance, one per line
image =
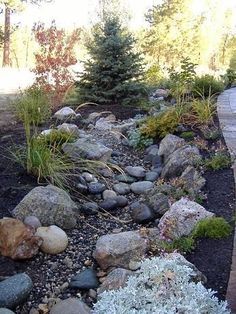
<point x="193" y="181"/>
<point x="88" y="149"/>
<point x="55" y="240"/>
<point x="169" y="144"/>
<point x="118" y="250"/>
<point x="65" y="113"/>
<point x="15" y="290"/>
<point x="69" y="128"/>
<point x="51" y="205"/>
<point x="181" y="219"/>
<point x="17" y="240"/>
<point x="179" y="160"/>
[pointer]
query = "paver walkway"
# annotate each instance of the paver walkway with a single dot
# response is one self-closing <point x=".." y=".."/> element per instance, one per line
<point x="226" y="108"/>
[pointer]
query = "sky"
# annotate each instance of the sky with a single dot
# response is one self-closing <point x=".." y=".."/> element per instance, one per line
<point x="79" y="12"/>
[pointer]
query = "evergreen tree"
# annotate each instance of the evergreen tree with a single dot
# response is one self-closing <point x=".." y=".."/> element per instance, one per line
<point x="114" y="71"/>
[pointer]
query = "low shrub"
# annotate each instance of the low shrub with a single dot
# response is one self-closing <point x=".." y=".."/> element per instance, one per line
<point x="187" y="135"/>
<point x="211" y="133"/>
<point x="32" y="105"/>
<point x="207" y="85"/>
<point x="161" y="125"/>
<point x="182" y="245"/>
<point x="161" y="286"/>
<point x="218" y="161"/>
<point x="215" y="227"/>
<point x="138" y="140"/>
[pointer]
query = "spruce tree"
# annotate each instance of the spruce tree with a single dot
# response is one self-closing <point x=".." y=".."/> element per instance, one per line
<point x="113" y="73"/>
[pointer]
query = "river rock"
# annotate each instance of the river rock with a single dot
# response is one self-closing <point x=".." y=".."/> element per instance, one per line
<point x="169" y="144"/>
<point x="179" y="160"/>
<point x="122" y="201"/>
<point x="152" y="176"/>
<point x="141" y="187"/>
<point x="17" y="240"/>
<point x="115" y="279"/>
<point x="86" y="279"/>
<point x="125" y="178"/>
<point x="51" y="205"/>
<point x="122" y="188"/>
<point x="89" y="208"/>
<point x="87" y="149"/>
<point x="141" y="213"/>
<point x="108" y="194"/>
<point x="117" y="250"/>
<point x="109" y="204"/>
<point x="181" y="219"/>
<point x="96" y="187"/>
<point x="70" y="306"/>
<point x="54" y="238"/>
<point x="137" y="172"/>
<point x="15" y="290"/>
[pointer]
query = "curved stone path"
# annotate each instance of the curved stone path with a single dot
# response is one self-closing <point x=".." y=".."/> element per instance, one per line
<point x="226" y="107"/>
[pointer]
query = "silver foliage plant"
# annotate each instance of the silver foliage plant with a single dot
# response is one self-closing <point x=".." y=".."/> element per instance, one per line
<point x="161" y="286"/>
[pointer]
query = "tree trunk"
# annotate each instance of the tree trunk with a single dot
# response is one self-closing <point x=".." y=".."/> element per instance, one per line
<point x="6" y="44"/>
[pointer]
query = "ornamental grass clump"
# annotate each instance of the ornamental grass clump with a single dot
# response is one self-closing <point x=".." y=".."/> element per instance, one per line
<point x="161" y="286"/>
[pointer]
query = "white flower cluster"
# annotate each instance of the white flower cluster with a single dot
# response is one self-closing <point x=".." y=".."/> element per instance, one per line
<point x="161" y="286"/>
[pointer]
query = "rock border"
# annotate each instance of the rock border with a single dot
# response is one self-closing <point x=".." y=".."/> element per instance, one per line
<point x="226" y="109"/>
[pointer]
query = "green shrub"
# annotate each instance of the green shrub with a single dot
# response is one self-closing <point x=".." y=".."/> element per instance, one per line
<point x="211" y="133"/>
<point x="207" y="85"/>
<point x="214" y="227"/>
<point x="229" y="77"/>
<point x="32" y="105"/>
<point x="218" y="161"/>
<point x="182" y="245"/>
<point x="161" y="125"/>
<point x="188" y="135"/>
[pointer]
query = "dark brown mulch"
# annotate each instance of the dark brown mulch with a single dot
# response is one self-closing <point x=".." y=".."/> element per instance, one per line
<point x="213" y="257"/>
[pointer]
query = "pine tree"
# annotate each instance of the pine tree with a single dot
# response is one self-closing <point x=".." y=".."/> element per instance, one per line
<point x="114" y="71"/>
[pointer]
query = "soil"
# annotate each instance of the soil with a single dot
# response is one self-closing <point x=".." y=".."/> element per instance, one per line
<point x="49" y="273"/>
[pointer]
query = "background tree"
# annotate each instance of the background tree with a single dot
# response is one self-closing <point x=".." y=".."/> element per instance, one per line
<point x="113" y="73"/>
<point x="10" y="6"/>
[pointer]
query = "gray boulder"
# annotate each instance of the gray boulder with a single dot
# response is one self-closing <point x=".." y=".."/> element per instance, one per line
<point x="70" y="306"/>
<point x="169" y="144"/>
<point x="88" y="149"/>
<point x="193" y="179"/>
<point x="15" y="290"/>
<point x="141" y="213"/>
<point x="118" y="250"/>
<point x="179" y="160"/>
<point x="181" y="219"/>
<point x="65" y="113"/>
<point x="86" y="279"/>
<point x="5" y="311"/>
<point x="122" y="188"/>
<point x="51" y="205"/>
<point x="69" y="128"/>
<point x="158" y="202"/>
